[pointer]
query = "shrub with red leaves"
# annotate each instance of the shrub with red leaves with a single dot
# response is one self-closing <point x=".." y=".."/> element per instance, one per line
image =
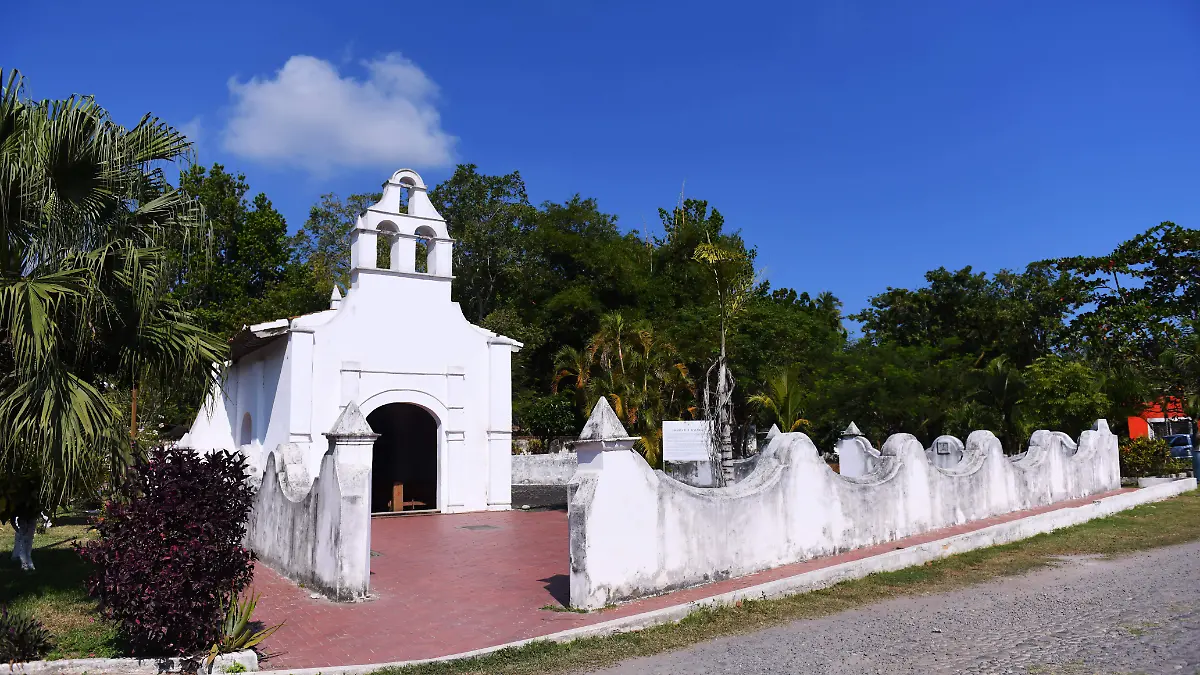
<point x="170" y="551"/>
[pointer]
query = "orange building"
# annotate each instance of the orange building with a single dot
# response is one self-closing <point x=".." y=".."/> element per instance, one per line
<point x="1153" y="421"/>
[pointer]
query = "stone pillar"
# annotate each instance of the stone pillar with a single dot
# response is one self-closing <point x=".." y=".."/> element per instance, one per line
<point x="605" y="452"/>
<point x="363" y="254"/>
<point x="404" y="253"/>
<point x="350" y="443"/>
<point x="443" y="258"/>
<point x="300" y="360"/>
<point x="499" y="435"/>
<point x="856" y="457"/>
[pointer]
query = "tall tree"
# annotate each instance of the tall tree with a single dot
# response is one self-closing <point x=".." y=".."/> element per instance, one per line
<point x="249" y="246"/>
<point x="1143" y="300"/>
<point x="489" y="218"/>
<point x="323" y="243"/>
<point x="85" y="212"/>
<point x="733" y="280"/>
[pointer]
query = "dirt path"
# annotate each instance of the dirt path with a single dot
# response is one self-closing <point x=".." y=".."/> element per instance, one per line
<point x="1134" y="614"/>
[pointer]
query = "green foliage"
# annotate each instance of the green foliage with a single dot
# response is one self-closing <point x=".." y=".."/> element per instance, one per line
<point x="783" y="399"/>
<point x="22" y="638"/>
<point x="549" y="416"/>
<point x="888" y="388"/>
<point x="508" y="321"/>
<point x="1062" y="395"/>
<point x="89" y="234"/>
<point x="1016" y="315"/>
<point x="1145" y="457"/>
<point x="641" y="375"/>
<point x="1143" y="305"/>
<point x="256" y="273"/>
<point x="323" y="243"/>
<point x="490" y="219"/>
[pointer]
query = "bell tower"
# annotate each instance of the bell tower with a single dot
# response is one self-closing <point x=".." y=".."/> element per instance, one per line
<point x="419" y="223"/>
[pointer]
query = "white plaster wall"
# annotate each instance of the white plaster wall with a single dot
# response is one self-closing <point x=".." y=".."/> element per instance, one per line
<point x="701" y="474"/>
<point x="945" y="452"/>
<point x="636" y="532"/>
<point x="549" y="469"/>
<point x="316" y="530"/>
<point x="856" y="457"/>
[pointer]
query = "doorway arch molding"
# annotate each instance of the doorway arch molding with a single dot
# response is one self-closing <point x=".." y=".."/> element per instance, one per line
<point x="446" y="495"/>
<point x="413" y="396"/>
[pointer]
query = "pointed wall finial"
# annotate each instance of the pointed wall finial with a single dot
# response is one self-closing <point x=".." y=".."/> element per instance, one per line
<point x="351" y="424"/>
<point x="603" y="424"/>
<point x="602" y="435"/>
<point x="773" y="432"/>
<point x="851" y="430"/>
<point x="335" y="298"/>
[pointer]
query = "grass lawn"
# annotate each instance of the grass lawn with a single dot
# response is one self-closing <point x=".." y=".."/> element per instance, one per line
<point x="54" y="594"/>
<point x="1174" y="521"/>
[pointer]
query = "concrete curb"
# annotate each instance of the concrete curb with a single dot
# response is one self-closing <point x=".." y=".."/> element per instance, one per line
<point x="247" y="659"/>
<point x="891" y="561"/>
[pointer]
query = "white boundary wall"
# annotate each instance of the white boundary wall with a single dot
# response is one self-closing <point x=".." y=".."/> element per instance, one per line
<point x="637" y="532"/>
<point x="825" y="577"/>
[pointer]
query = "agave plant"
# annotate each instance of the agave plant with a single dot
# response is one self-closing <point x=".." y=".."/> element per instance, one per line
<point x="237" y="633"/>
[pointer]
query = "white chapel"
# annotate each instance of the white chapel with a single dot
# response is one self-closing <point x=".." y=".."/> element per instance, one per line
<point x="436" y="388"/>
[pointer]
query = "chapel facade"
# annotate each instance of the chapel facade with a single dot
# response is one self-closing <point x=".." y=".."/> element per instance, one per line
<point x="436" y="388"/>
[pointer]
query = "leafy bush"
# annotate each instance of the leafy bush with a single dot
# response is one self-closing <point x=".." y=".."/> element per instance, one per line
<point x="1145" y="456"/>
<point x="22" y="638"/>
<point x="170" y="551"/>
<point x="549" y="416"/>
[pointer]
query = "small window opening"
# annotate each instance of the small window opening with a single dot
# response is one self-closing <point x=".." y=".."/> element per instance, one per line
<point x="247" y="434"/>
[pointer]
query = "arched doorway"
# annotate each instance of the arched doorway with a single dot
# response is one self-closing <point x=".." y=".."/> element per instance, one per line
<point x="404" y="459"/>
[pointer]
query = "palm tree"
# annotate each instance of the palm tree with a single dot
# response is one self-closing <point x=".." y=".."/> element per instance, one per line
<point x="642" y="376"/>
<point x="85" y="216"/>
<point x="783" y="398"/>
<point x="573" y="365"/>
<point x="609" y="341"/>
<point x="733" y="278"/>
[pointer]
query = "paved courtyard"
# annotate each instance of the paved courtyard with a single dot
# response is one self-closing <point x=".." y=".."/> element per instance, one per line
<point x="446" y="584"/>
<point x="1133" y="614"/>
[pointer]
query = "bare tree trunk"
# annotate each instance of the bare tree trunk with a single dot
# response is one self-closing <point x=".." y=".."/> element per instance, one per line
<point x="725" y="413"/>
<point x="718" y="409"/>
<point x="23" y="543"/>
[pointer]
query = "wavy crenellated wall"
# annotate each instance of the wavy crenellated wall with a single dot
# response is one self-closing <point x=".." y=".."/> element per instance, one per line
<point x="317" y="530"/>
<point x="636" y="532"/>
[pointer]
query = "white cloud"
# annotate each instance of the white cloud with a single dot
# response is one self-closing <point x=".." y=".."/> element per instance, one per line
<point x="192" y="129"/>
<point x="309" y="115"/>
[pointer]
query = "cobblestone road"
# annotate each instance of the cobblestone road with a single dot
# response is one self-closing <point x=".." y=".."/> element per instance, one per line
<point x="1135" y="614"/>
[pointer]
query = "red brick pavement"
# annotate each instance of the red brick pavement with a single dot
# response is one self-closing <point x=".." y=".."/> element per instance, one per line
<point x="453" y="583"/>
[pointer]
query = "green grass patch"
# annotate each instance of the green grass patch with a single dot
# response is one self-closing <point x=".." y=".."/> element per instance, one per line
<point x="54" y="593"/>
<point x="1175" y="521"/>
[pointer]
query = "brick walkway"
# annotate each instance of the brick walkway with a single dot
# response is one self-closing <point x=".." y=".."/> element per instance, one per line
<point x="453" y="583"/>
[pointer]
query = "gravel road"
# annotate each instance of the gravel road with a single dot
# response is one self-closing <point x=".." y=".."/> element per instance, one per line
<point x="1134" y="614"/>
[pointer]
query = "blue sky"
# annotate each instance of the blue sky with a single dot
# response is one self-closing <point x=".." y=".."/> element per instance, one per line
<point x="856" y="144"/>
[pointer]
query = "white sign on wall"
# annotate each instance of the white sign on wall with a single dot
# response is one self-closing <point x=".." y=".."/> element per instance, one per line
<point x="686" y="441"/>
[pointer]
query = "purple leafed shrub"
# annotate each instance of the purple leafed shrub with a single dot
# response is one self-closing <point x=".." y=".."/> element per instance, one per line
<point x="170" y="551"/>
